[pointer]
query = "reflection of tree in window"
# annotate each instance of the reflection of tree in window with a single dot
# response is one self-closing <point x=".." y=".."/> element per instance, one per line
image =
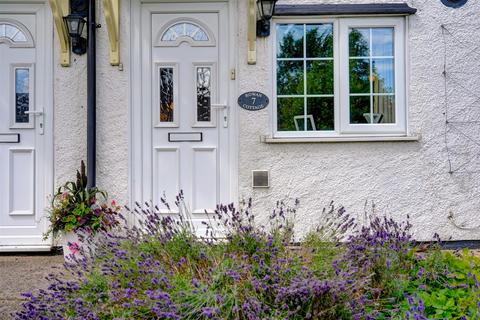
<point x="22" y="95"/>
<point x="368" y="84"/>
<point x="166" y="95"/>
<point x="203" y="93"/>
<point x="319" y="77"/>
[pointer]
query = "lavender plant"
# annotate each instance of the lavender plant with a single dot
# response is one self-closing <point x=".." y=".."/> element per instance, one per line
<point x="163" y="269"/>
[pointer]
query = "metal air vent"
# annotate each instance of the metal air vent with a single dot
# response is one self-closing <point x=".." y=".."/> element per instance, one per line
<point x="260" y="178"/>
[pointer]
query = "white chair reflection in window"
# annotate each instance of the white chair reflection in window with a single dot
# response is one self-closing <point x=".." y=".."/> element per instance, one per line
<point x="300" y="120"/>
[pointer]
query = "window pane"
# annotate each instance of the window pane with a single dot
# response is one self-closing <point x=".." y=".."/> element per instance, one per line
<point x="22" y="95"/>
<point x="319" y="41"/>
<point x="321" y="111"/>
<point x="359" y="109"/>
<point x="382" y="42"/>
<point x="290" y="77"/>
<point x="359" y="76"/>
<point x="359" y="42"/>
<point x="320" y="77"/>
<point x="204" y="75"/>
<point x="290" y="114"/>
<point x="290" y="41"/>
<point x="10" y="31"/>
<point x="383" y="76"/>
<point x="166" y="95"/>
<point x="384" y="109"/>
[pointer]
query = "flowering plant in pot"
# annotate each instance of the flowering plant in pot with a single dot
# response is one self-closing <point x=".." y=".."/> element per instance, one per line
<point x="78" y="213"/>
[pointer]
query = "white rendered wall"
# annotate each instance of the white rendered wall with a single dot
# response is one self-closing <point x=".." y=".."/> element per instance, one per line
<point x="112" y="112"/>
<point x="399" y="177"/>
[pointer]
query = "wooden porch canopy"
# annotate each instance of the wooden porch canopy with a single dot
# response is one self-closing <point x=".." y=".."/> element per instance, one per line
<point x="61" y="8"/>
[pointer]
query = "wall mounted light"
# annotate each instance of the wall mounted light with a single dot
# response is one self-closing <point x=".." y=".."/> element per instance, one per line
<point x="75" y="22"/>
<point x="266" y="8"/>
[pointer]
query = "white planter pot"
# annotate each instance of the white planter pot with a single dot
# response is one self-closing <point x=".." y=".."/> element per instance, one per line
<point x="76" y="246"/>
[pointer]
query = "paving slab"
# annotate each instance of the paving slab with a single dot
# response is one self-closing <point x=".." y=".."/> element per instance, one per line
<point x="21" y="273"/>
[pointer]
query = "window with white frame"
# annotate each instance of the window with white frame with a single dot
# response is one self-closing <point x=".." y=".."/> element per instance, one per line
<point x="338" y="77"/>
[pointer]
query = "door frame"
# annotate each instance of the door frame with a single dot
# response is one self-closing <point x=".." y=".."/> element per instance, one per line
<point x="44" y="156"/>
<point x="137" y="122"/>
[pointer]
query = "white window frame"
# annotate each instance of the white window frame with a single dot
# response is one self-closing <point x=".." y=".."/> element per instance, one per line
<point x="399" y="127"/>
<point x="343" y="128"/>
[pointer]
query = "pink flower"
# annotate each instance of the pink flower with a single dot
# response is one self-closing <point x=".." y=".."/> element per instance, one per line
<point x="114" y="203"/>
<point x="73" y="247"/>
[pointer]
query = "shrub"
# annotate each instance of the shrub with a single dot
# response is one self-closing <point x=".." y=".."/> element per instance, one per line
<point x="76" y="207"/>
<point x="239" y="270"/>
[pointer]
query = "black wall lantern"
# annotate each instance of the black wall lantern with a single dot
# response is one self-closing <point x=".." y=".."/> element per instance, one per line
<point x="266" y="8"/>
<point x="75" y="23"/>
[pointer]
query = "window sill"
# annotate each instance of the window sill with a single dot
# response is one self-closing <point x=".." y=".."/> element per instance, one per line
<point x="269" y="139"/>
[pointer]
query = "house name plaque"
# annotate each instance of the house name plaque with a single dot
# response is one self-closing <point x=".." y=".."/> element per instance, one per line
<point x="253" y="101"/>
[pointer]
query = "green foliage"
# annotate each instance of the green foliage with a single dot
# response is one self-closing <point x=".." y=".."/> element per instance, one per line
<point x="339" y="271"/>
<point x="75" y="206"/>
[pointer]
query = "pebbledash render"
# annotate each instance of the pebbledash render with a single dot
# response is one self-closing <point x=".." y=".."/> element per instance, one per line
<point x="374" y="105"/>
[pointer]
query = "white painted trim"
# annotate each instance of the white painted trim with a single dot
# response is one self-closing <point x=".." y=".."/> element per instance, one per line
<point x="399" y="66"/>
<point x="340" y="80"/>
<point x="31" y="210"/>
<point x="336" y="75"/>
<point x="269" y="139"/>
<point x="25" y="248"/>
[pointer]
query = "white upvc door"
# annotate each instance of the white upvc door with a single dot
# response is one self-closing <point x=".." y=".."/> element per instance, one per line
<point x="185" y="79"/>
<point x="25" y="158"/>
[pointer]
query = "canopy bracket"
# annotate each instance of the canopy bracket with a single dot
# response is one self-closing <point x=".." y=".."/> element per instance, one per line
<point x="60" y="8"/>
<point x="111" y="12"/>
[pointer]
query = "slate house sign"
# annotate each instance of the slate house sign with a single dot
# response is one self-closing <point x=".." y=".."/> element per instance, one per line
<point x="253" y="101"/>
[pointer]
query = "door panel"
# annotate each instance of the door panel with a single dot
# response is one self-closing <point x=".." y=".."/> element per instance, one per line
<point x="185" y="88"/>
<point x="23" y="144"/>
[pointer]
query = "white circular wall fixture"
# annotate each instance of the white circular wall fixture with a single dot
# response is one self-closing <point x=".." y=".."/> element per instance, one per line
<point x="454" y="3"/>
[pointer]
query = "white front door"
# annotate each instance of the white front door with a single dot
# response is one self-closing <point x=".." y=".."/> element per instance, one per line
<point x="24" y="104"/>
<point x="185" y="79"/>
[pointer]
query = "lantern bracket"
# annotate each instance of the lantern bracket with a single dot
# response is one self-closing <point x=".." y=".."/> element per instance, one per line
<point x="60" y="8"/>
<point x="111" y="12"/>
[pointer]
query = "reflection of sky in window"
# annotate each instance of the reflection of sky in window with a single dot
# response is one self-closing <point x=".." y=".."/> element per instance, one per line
<point x="384" y="70"/>
<point x="21" y="80"/>
<point x="382" y="42"/>
<point x="12" y="33"/>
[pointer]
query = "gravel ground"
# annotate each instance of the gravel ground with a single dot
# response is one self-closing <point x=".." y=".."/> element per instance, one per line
<point x="21" y="273"/>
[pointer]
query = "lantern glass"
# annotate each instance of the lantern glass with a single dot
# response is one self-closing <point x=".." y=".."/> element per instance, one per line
<point x="75" y="24"/>
<point x="266" y="8"/>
